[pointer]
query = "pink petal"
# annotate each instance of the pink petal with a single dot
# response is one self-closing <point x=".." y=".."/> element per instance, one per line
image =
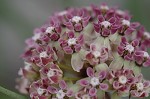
<point x="83" y="82"/>
<point x="135" y="24"/>
<point x="78" y="27"/>
<point x="103" y="86"/>
<point x="71" y="34"/>
<point x="62" y="84"/>
<point x="92" y="91"/>
<point x="68" y="50"/>
<point x="90" y="72"/>
<point x="97" y="27"/>
<point x="129" y="31"/>
<point x="116" y="85"/>
<point x="85" y="21"/>
<point x="102" y="75"/>
<point x="112" y="20"/>
<point x="69" y="93"/>
<point x="69" y="25"/>
<point x="135" y="42"/>
<point x="52" y="89"/>
<point x="100" y="18"/>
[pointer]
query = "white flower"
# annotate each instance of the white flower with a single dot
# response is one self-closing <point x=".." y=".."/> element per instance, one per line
<point x="76" y="19"/>
<point x="94" y="81"/>
<point x="129" y="48"/>
<point x="126" y="22"/>
<point x="140" y="86"/>
<point x="72" y="41"/>
<point x="43" y="54"/>
<point x="49" y="29"/>
<point x="50" y="73"/>
<point x="40" y="91"/>
<point x="147" y="34"/>
<point x="106" y="24"/>
<point x="104" y="7"/>
<point x="60" y="94"/>
<point x="146" y="55"/>
<point x="36" y="36"/>
<point x="96" y="54"/>
<point x="123" y="79"/>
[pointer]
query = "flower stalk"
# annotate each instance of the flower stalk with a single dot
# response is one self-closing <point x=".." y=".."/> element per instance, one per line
<point x="11" y="93"/>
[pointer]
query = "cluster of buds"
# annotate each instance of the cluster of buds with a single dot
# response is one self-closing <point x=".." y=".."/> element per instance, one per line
<point x="86" y="53"/>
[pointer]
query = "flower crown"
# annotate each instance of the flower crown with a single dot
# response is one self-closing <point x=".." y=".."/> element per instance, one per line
<point x="93" y="52"/>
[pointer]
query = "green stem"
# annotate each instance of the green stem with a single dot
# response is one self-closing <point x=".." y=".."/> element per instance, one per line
<point x="66" y="68"/>
<point x="11" y="93"/>
<point x="71" y="79"/>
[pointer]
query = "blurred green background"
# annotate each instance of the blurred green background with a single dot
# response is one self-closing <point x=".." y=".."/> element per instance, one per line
<point x="18" y="18"/>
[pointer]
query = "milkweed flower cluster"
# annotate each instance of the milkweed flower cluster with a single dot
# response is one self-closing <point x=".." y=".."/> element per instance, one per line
<point x="93" y="52"/>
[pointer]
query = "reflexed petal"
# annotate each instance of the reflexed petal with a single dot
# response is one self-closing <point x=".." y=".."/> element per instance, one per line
<point x="52" y="89"/>
<point x="116" y="85"/>
<point x="103" y="86"/>
<point x="78" y="27"/>
<point x="62" y="84"/>
<point x="135" y="43"/>
<point x="100" y="18"/>
<point x="69" y="25"/>
<point x="83" y="82"/>
<point x="129" y="31"/>
<point x="147" y="63"/>
<point x="146" y="84"/>
<point x="69" y="93"/>
<point x="135" y="24"/>
<point x="71" y="34"/>
<point x="90" y="72"/>
<point x="102" y="75"/>
<point x="68" y="50"/>
<point x="97" y="27"/>
<point x="92" y="92"/>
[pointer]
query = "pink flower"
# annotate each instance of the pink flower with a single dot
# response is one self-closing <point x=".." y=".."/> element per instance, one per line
<point x="52" y="72"/>
<point x="60" y="92"/>
<point x="71" y="43"/>
<point x="39" y="90"/>
<point x="77" y="19"/>
<point x="142" y="58"/>
<point x="126" y="27"/>
<point x="105" y="26"/>
<point x="144" y="38"/>
<point x="93" y="81"/>
<point x="140" y="88"/>
<point x="126" y="49"/>
<point x="122" y="80"/>
<point x="96" y="56"/>
<point x="43" y="55"/>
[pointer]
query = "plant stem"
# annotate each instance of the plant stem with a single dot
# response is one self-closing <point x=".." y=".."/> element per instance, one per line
<point x="71" y="79"/>
<point x="11" y="93"/>
<point x="66" y="67"/>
